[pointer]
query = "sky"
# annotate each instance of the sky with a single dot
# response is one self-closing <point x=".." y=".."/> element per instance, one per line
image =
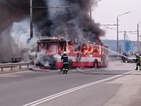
<point x="107" y="12"/>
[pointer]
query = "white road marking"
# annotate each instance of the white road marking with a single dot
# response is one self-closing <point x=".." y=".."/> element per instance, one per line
<point x="37" y="102"/>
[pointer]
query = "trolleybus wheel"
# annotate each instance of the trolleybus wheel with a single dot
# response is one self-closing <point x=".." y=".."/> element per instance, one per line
<point x="70" y="64"/>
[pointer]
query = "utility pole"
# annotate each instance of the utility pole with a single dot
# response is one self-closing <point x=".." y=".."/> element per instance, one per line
<point x="91" y="8"/>
<point x="117" y="29"/>
<point x="138" y="37"/>
<point x="90" y="11"/>
<point x="138" y="44"/>
<point x="117" y="36"/>
<point x="31" y="20"/>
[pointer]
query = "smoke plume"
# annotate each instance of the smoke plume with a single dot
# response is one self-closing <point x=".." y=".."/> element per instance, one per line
<point x="73" y="23"/>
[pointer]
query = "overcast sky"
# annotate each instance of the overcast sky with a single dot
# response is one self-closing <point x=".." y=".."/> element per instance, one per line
<point x="107" y="11"/>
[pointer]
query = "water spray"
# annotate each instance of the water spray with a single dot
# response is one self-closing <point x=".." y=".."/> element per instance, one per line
<point x="114" y="52"/>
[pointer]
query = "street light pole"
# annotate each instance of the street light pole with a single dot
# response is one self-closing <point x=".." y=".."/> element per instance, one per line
<point x="31" y="20"/>
<point x="118" y="31"/>
<point x="117" y="35"/>
<point x="91" y="8"/>
<point x="90" y="11"/>
<point x="138" y="45"/>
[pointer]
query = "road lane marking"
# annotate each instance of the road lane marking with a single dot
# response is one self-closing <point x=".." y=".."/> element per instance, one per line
<point x="37" y="102"/>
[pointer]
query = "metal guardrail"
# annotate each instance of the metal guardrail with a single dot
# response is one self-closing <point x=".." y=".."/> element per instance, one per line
<point x="11" y="65"/>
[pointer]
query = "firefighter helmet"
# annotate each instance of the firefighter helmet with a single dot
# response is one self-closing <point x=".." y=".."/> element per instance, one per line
<point x="64" y="52"/>
<point x="137" y="54"/>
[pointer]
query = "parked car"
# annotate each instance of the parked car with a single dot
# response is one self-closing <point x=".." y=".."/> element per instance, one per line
<point x="131" y="58"/>
<point x="124" y="57"/>
<point x="5" y="61"/>
<point x="11" y="60"/>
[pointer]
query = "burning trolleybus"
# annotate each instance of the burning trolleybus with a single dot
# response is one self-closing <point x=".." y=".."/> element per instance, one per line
<point x="49" y="52"/>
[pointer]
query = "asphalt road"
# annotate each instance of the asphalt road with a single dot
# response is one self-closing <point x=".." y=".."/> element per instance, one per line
<point x="18" y="89"/>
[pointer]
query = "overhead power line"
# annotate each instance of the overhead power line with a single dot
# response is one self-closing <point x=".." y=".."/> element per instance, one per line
<point x="111" y="28"/>
<point x="54" y="7"/>
<point x="135" y="32"/>
<point x="108" y="24"/>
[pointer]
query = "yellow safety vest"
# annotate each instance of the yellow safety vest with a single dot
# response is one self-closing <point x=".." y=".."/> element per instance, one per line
<point x="140" y="58"/>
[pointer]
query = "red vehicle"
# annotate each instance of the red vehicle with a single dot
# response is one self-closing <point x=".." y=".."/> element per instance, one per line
<point x="80" y="55"/>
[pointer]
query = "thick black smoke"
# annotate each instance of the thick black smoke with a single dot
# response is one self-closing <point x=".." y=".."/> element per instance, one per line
<point x="74" y="23"/>
<point x="63" y="22"/>
<point x="16" y="10"/>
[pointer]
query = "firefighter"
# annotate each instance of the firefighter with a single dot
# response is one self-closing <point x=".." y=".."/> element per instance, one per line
<point x="138" y="60"/>
<point x="65" y="60"/>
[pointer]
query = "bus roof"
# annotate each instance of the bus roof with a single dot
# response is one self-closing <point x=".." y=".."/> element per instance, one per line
<point x="51" y="40"/>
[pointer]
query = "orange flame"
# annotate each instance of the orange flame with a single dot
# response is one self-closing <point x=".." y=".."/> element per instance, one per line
<point x="84" y="49"/>
<point x="90" y="49"/>
<point x="96" y="50"/>
<point x="70" y="49"/>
